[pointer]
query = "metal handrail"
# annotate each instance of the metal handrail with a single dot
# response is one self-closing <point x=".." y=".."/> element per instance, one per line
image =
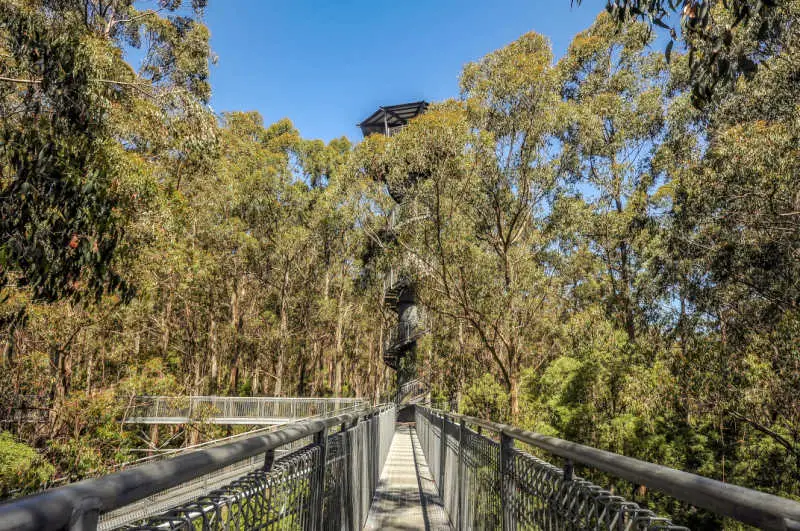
<point x="724" y="499"/>
<point x="77" y="506"/>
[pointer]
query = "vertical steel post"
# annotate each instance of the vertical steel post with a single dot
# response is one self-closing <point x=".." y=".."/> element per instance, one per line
<point x="462" y="430"/>
<point x="506" y="444"/>
<point x="442" y="455"/>
<point x="320" y="438"/>
<point x="569" y="470"/>
<point x="269" y="459"/>
<point x="85" y="515"/>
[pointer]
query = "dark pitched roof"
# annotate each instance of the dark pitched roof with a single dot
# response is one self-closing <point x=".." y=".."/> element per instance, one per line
<point x="391" y="116"/>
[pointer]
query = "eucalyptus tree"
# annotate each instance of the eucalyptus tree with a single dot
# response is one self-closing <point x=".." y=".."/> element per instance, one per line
<point x="726" y="39"/>
<point x="64" y="173"/>
<point x="614" y="122"/>
<point x="737" y="228"/>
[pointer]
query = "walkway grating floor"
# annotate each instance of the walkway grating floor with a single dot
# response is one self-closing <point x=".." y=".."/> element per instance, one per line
<point x="407" y="497"/>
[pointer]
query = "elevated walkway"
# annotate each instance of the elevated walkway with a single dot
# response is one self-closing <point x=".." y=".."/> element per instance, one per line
<point x="444" y="471"/>
<point x="407" y="496"/>
<point x="233" y="410"/>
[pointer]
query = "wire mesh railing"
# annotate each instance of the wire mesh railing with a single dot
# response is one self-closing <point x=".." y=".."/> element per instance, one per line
<point x="325" y="483"/>
<point x="231" y="410"/>
<point x="218" y="479"/>
<point x="488" y="483"/>
<point x="24" y="409"/>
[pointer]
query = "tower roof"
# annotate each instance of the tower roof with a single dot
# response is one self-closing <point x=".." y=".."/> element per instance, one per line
<point x="387" y="118"/>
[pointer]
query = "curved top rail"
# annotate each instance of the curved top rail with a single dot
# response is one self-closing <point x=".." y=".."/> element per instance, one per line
<point x="745" y="505"/>
<point x="65" y="507"/>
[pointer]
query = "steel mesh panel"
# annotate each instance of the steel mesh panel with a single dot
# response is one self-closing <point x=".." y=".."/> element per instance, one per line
<point x="158" y="503"/>
<point x="538" y="497"/>
<point x="232" y="410"/>
<point x="338" y="491"/>
<point x="449" y="492"/>
<point x="481" y="505"/>
<point x="277" y="500"/>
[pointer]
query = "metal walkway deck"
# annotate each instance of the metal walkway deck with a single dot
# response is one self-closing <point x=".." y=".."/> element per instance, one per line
<point x="407" y="497"/>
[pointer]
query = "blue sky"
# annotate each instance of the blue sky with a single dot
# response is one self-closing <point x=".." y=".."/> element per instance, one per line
<point x="326" y="65"/>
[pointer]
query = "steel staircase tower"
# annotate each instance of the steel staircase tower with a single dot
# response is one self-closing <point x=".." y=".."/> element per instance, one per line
<point x="399" y="294"/>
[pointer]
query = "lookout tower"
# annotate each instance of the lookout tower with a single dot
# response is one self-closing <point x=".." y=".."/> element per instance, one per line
<point x="392" y="118"/>
<point x="399" y="288"/>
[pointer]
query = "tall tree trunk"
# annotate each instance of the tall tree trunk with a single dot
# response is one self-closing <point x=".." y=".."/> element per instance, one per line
<point x="339" y="337"/>
<point x="165" y="325"/>
<point x="301" y="380"/>
<point x="153" y="438"/>
<point x="237" y="323"/>
<point x="279" y="366"/>
<point x="284" y="332"/>
<point x="212" y="347"/>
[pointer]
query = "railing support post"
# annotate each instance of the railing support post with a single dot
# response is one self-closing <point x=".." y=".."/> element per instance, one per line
<point x="462" y="431"/>
<point x="442" y="454"/>
<point x="85" y="516"/>
<point x="569" y="470"/>
<point x="320" y="438"/>
<point x="506" y="445"/>
<point x="269" y="459"/>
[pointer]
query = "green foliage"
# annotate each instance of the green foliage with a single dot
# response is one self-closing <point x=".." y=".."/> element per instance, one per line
<point x="485" y="398"/>
<point x="726" y="39"/>
<point x="60" y="211"/>
<point x="22" y="469"/>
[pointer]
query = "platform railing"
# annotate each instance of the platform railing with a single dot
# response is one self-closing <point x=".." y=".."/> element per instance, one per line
<point x="173" y="452"/>
<point x="326" y="483"/>
<point x="231" y="410"/>
<point x="488" y="483"/>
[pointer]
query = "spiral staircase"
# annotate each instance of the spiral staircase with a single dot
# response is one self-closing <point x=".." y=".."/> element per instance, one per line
<point x="399" y="298"/>
<point x="399" y="290"/>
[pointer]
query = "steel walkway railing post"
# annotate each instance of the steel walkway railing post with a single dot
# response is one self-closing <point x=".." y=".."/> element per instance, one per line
<point x="86" y="516"/>
<point x="320" y="438"/>
<point x="442" y="452"/>
<point x="506" y="444"/>
<point x="269" y="459"/>
<point x="462" y="428"/>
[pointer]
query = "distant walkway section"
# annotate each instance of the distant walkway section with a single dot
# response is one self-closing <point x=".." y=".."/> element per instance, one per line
<point x="407" y="497"/>
<point x="234" y="409"/>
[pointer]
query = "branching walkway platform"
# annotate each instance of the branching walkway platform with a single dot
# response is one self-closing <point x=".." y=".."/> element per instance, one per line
<point x="407" y="497"/>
